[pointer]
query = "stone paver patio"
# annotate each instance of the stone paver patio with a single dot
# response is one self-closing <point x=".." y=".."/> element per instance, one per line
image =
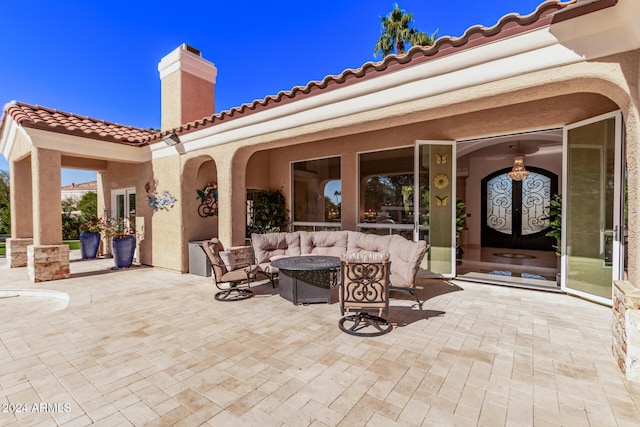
<point x="146" y="346"/>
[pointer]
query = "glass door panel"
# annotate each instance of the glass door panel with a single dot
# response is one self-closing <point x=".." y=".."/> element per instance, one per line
<point x="124" y="206"/>
<point x="592" y="198"/>
<point x="435" y="204"/>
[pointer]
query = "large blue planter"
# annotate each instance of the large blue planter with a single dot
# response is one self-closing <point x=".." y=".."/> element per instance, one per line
<point x="123" y="249"/>
<point x="89" y="244"/>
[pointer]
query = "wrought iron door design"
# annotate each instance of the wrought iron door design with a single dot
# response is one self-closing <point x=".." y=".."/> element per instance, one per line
<point x="515" y="213"/>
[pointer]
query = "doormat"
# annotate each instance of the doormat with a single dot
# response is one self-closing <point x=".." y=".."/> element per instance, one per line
<point x="523" y="275"/>
<point x="512" y="255"/>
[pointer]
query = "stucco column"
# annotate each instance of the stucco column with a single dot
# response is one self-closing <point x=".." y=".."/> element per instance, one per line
<point x="349" y="181"/>
<point x="47" y="205"/>
<point x="47" y="258"/>
<point x="21" y="199"/>
<point x="232" y="201"/>
<point x="21" y="213"/>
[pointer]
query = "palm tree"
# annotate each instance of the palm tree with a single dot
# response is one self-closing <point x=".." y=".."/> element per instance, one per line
<point x="397" y="32"/>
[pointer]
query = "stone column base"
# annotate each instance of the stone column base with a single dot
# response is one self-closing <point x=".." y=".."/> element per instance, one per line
<point x="626" y="329"/>
<point x="48" y="262"/>
<point x="16" y="250"/>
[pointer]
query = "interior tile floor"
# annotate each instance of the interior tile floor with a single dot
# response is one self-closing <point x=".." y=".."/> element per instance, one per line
<point x="146" y="346"/>
<point x="512" y="267"/>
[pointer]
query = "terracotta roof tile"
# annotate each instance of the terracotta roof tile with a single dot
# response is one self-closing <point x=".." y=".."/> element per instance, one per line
<point x="37" y="117"/>
<point x="90" y="185"/>
<point x="507" y="26"/>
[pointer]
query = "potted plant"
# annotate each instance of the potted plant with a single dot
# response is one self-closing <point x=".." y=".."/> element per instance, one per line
<point x="555" y="221"/>
<point x="270" y="214"/>
<point x="123" y="241"/>
<point x="461" y="218"/>
<point x="90" y="237"/>
<point x="555" y="225"/>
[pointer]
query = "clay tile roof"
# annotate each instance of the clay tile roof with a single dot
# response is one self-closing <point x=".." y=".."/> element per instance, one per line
<point x="507" y="26"/>
<point x="37" y="117"/>
<point x="90" y="186"/>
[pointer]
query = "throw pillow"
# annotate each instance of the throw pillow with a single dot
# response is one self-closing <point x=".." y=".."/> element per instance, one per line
<point x="229" y="260"/>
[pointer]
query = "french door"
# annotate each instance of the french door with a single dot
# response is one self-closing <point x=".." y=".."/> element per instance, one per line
<point x="592" y="207"/>
<point x="516" y="213"/>
<point x="435" y="204"/>
<point x="123" y="204"/>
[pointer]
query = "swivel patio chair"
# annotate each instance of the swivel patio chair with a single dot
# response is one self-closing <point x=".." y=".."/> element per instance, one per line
<point x="236" y="274"/>
<point x="364" y="295"/>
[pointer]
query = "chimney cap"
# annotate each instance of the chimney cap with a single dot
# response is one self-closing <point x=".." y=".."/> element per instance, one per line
<point x="191" y="49"/>
<point x="187" y="58"/>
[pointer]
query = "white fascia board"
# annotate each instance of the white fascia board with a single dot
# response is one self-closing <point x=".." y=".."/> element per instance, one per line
<point x="8" y="137"/>
<point x="606" y="32"/>
<point x="89" y="148"/>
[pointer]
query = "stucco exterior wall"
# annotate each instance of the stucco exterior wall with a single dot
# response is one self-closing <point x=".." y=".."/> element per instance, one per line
<point x="197" y="173"/>
<point x="258" y="170"/>
<point x="121" y="176"/>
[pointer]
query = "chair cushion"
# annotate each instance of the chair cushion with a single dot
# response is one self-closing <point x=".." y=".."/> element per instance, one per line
<point x="367" y="243"/>
<point x="406" y="256"/>
<point x="363" y="257"/>
<point x="213" y="248"/>
<point x="229" y="260"/>
<point x="329" y="243"/>
<point x="268" y="245"/>
<point x="240" y="274"/>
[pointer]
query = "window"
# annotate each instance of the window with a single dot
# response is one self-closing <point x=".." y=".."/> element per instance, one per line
<point x="317" y="192"/>
<point x="387" y="191"/>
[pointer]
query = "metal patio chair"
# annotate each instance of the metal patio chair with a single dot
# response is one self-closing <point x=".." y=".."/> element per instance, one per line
<point x="364" y="295"/>
<point x="236" y="274"/>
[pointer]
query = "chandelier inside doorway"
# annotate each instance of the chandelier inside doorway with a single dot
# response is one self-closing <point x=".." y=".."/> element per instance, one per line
<point x="518" y="173"/>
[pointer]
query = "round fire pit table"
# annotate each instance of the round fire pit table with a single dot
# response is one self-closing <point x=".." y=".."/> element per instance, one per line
<point x="307" y="279"/>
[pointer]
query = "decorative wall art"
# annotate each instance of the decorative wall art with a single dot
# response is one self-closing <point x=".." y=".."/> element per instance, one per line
<point x="441" y="159"/>
<point x="442" y="201"/>
<point x="158" y="202"/>
<point x="441" y="181"/>
<point x="208" y="200"/>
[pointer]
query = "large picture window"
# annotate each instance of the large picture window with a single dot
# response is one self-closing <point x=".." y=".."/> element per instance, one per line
<point x="317" y="191"/>
<point x="387" y="191"/>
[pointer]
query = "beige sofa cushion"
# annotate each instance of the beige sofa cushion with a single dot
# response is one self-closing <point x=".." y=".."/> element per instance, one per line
<point x="330" y="243"/>
<point x="268" y="245"/>
<point x="406" y="257"/>
<point x="367" y="243"/>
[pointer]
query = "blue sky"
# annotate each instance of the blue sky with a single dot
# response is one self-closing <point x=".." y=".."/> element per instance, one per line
<point x="100" y="58"/>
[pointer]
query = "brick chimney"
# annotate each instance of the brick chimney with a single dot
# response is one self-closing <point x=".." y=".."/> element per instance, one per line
<point x="188" y="87"/>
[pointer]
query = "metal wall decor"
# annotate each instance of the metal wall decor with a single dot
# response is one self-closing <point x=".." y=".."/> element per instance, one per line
<point x="441" y="181"/>
<point x="208" y="200"/>
<point x="442" y="201"/>
<point x="158" y="202"/>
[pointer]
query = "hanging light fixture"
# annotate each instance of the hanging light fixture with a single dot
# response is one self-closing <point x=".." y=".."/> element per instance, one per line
<point x="518" y="173"/>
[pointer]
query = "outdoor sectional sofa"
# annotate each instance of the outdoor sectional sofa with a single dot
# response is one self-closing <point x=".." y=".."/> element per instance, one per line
<point x="405" y="255"/>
